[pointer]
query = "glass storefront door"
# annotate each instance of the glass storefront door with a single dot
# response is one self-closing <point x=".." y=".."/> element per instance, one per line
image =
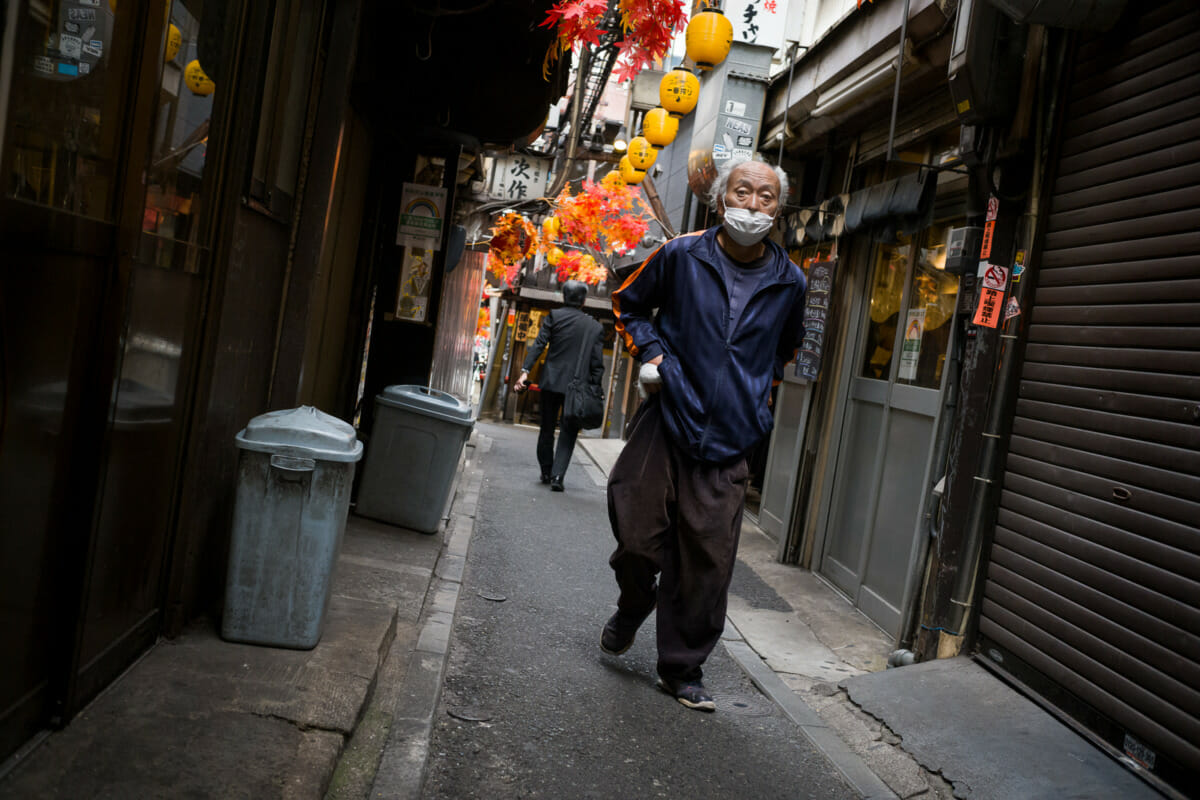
<point x="904" y="334"/>
<point x="102" y="176"/>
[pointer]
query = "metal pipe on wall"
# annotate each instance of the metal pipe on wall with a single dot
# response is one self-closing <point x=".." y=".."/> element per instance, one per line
<point x="560" y="180"/>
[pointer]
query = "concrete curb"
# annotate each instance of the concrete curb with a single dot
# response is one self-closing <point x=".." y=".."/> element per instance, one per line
<point x="402" y="765"/>
<point x="856" y="772"/>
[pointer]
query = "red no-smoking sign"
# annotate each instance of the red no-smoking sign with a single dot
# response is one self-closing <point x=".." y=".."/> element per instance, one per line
<point x="994" y="277"/>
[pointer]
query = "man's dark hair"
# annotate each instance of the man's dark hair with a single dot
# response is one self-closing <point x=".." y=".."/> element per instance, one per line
<point x="574" y="293"/>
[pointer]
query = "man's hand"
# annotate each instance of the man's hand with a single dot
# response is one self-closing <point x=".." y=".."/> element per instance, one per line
<point x="522" y="382"/>
<point x="649" y="380"/>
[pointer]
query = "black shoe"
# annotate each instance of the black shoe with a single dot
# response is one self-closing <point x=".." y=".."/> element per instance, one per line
<point x="545" y="477"/>
<point x="691" y="693"/>
<point x="556" y="483"/>
<point x="619" y="632"/>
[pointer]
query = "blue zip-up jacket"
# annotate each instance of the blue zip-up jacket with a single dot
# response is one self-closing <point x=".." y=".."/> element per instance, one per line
<point x="715" y="381"/>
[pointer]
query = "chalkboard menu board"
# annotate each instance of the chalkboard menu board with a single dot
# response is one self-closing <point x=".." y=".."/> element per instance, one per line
<point x="816" y="313"/>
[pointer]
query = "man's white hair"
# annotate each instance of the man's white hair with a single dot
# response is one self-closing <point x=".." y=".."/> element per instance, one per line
<point x="716" y="192"/>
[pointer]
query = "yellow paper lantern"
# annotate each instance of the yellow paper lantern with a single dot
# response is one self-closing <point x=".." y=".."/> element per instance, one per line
<point x="174" y="40"/>
<point x="660" y="128"/>
<point x="709" y="37"/>
<point x="629" y="173"/>
<point x="641" y="155"/>
<point x="196" y="80"/>
<point x="678" y="91"/>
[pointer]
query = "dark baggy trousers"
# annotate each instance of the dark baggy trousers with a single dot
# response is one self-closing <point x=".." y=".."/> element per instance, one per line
<point x="680" y="519"/>
<point x="554" y="459"/>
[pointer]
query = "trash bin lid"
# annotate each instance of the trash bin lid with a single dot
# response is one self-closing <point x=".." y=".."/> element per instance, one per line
<point x="303" y="431"/>
<point x="430" y="402"/>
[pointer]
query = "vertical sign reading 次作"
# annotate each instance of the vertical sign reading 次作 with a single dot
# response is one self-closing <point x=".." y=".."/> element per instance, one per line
<point x="816" y="315"/>
<point x="518" y="178"/>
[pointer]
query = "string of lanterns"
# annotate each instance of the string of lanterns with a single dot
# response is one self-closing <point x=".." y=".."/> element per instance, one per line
<point x="708" y="38"/>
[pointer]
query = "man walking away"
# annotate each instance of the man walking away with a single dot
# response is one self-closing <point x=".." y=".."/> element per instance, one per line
<point x="565" y="331"/>
<point x="730" y="306"/>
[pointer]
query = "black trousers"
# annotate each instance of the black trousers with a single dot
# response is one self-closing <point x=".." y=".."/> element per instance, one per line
<point x="679" y="519"/>
<point x="554" y="459"/>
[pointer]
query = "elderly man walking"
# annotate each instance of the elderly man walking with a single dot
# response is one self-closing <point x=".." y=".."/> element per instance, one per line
<point x="729" y="317"/>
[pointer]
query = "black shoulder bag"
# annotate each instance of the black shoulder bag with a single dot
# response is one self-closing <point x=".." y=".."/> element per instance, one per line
<point x="583" y="402"/>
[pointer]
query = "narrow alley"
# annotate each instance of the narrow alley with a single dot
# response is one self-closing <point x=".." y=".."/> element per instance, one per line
<point x="532" y="707"/>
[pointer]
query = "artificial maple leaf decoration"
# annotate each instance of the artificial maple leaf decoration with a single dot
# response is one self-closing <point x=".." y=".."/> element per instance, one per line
<point x="649" y="27"/>
<point x="513" y="239"/>
<point x="604" y="218"/>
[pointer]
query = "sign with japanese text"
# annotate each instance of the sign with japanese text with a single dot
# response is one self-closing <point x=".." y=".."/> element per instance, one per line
<point x="519" y="177"/>
<point x="988" y="312"/>
<point x="757" y="21"/>
<point x="422" y="210"/>
<point x="535" y="324"/>
<point x="816" y="313"/>
<point x="989" y="230"/>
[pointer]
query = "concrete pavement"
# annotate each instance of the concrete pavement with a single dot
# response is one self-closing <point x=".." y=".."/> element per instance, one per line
<point x="200" y="717"/>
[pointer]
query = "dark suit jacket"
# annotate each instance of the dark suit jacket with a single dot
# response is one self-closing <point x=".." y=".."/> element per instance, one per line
<point x="566" y="330"/>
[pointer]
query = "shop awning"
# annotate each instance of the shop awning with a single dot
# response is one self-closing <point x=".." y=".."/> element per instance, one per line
<point x="902" y="204"/>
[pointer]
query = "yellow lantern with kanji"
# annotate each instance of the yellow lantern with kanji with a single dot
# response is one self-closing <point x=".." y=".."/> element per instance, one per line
<point x="660" y="128"/>
<point x="196" y="80"/>
<point x="709" y="37"/>
<point x="678" y="91"/>
<point x="174" y="40"/>
<point x="629" y="173"/>
<point x="641" y="155"/>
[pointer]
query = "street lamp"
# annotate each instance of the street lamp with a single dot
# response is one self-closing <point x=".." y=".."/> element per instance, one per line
<point x="621" y="143"/>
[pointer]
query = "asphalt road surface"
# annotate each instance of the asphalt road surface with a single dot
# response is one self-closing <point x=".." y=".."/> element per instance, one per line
<point x="532" y="708"/>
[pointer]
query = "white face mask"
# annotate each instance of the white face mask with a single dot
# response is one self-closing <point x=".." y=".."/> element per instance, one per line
<point x="747" y="227"/>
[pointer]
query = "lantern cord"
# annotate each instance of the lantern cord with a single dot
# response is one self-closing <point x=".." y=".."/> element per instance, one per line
<point x="429" y="45"/>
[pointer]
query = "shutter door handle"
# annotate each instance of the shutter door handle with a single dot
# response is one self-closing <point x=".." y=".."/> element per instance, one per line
<point x="1121" y="494"/>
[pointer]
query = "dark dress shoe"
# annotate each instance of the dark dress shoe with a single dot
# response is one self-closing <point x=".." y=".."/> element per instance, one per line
<point x="556" y="483"/>
<point x="545" y="477"/>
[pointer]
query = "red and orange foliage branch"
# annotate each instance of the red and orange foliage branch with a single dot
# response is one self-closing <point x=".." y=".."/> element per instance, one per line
<point x="513" y="239"/>
<point x="605" y="218"/>
<point x="649" y="26"/>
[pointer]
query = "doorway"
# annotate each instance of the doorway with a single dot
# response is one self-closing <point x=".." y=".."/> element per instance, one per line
<point x="897" y="359"/>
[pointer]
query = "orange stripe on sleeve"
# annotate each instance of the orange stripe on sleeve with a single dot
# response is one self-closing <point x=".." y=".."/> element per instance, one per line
<point x="616" y="302"/>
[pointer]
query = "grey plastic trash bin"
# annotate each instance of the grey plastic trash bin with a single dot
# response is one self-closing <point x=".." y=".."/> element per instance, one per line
<point x="412" y="456"/>
<point x="295" y="471"/>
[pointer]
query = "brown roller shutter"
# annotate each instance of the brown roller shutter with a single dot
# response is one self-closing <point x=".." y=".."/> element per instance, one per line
<point x="1093" y="585"/>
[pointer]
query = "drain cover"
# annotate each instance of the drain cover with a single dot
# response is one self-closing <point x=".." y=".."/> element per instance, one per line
<point x="744" y="705"/>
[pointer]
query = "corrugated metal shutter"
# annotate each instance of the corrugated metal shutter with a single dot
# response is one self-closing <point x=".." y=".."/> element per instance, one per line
<point x="1094" y="577"/>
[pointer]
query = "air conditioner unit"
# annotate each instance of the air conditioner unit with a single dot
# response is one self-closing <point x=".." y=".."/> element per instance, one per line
<point x="984" y="72"/>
